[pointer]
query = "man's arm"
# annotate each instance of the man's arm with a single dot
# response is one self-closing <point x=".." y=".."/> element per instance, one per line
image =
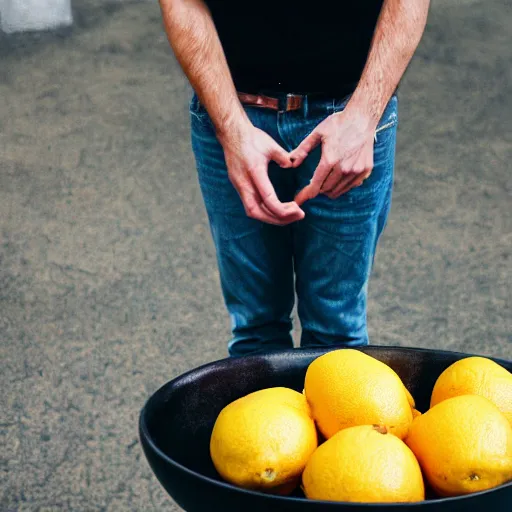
<point x="248" y="150"/>
<point x="397" y="35"/>
<point x="194" y="40"/>
<point x="347" y="137"/>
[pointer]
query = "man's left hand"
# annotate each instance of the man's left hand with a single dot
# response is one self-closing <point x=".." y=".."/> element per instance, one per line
<point x="347" y="140"/>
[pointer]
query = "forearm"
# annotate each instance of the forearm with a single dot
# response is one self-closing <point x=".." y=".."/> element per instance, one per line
<point x="397" y="34"/>
<point x="195" y="42"/>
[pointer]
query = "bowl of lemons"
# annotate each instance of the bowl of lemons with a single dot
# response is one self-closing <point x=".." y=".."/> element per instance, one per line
<point x="373" y="428"/>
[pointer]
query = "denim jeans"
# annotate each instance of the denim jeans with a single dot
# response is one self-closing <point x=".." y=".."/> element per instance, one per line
<point x="326" y="258"/>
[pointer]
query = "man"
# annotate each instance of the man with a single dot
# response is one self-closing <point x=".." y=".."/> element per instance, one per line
<point x="293" y="131"/>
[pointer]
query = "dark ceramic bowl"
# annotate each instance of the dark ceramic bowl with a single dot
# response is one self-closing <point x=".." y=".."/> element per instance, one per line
<point x="177" y="421"/>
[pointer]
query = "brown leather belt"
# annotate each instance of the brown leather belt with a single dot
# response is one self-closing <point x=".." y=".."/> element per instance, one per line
<point x="290" y="102"/>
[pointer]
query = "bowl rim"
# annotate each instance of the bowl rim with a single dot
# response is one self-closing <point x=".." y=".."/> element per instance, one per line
<point x="144" y="432"/>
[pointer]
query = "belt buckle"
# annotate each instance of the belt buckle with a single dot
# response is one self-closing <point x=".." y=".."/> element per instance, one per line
<point x="290" y="102"/>
<point x="293" y="101"/>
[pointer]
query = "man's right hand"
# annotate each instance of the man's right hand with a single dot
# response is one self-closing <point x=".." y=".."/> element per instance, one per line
<point x="248" y="151"/>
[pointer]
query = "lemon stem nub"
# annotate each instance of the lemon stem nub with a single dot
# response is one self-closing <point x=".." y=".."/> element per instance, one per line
<point x="381" y="429"/>
<point x="269" y="475"/>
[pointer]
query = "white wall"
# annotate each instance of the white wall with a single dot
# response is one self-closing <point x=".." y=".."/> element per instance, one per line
<point x="20" y="15"/>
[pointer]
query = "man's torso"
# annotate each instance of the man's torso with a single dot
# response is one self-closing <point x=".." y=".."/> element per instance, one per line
<point x="288" y="46"/>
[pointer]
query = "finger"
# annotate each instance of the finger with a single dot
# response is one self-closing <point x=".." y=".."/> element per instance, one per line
<point x="334" y="178"/>
<point x="294" y="216"/>
<point x="345" y="185"/>
<point x="269" y="198"/>
<point x="252" y="202"/>
<point x="315" y="185"/>
<point x="343" y="179"/>
<point x="280" y="156"/>
<point x="357" y="172"/>
<point x="254" y="209"/>
<point x="299" y="154"/>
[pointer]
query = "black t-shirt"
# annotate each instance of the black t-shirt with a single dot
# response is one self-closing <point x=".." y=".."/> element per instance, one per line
<point x="320" y="46"/>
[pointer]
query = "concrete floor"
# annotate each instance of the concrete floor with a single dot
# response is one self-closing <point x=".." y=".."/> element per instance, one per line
<point x="108" y="280"/>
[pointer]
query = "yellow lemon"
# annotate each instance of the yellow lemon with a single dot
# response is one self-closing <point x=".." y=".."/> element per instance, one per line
<point x="410" y="398"/>
<point x="476" y="376"/>
<point x="463" y="444"/>
<point x="363" y="464"/>
<point x="415" y="413"/>
<point x="346" y="388"/>
<point x="263" y="440"/>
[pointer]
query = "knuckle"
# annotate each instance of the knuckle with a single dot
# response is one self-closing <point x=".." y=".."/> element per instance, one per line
<point x="329" y="161"/>
<point x="244" y="191"/>
<point x="268" y="197"/>
<point x="251" y="210"/>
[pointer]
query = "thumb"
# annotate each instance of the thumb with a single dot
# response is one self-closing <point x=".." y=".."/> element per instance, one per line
<point x="299" y="154"/>
<point x="280" y="155"/>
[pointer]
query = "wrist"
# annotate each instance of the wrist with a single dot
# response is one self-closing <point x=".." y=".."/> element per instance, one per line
<point x="233" y="124"/>
<point x="359" y="118"/>
<point x="366" y="111"/>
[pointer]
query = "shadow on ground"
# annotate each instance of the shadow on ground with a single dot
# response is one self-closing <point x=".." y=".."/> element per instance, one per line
<point x="108" y="281"/>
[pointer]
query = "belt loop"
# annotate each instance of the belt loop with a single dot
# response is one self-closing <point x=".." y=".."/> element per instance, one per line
<point x="282" y="103"/>
<point x="306" y="105"/>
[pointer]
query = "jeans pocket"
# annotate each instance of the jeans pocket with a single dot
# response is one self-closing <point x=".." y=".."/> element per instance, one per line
<point x="197" y="110"/>
<point x="228" y="219"/>
<point x="387" y="122"/>
<point x="228" y="227"/>
<point x="345" y="243"/>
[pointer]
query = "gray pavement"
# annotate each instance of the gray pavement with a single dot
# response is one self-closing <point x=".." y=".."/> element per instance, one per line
<point x="108" y="280"/>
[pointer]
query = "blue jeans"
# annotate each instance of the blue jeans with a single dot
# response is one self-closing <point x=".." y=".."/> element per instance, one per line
<point x="326" y="258"/>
